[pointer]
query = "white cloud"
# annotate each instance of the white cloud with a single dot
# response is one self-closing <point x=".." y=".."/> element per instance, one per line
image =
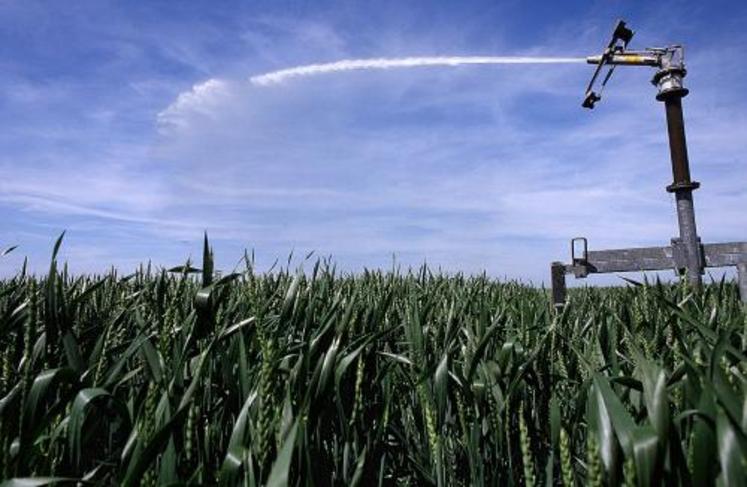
<point x="201" y="100"/>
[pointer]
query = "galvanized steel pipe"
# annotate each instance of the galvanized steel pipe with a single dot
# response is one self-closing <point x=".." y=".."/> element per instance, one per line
<point x="682" y="186"/>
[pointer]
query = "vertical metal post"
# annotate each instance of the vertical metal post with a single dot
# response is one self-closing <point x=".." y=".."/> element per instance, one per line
<point x="689" y="237"/>
<point x="557" y="279"/>
<point x="671" y="91"/>
<point x="742" y="279"/>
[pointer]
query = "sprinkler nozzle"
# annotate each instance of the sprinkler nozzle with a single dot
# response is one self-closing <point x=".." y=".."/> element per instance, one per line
<point x="626" y="59"/>
<point x="590" y="99"/>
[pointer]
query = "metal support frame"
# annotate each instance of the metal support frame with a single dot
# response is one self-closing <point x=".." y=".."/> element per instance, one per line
<point x="686" y="254"/>
<point x="672" y="257"/>
<point x="557" y="273"/>
<point x="742" y="279"/>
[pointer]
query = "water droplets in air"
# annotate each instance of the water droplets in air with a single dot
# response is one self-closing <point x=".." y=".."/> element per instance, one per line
<point x="279" y="76"/>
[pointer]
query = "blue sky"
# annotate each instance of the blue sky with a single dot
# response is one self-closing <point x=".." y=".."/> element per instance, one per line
<point x="133" y="126"/>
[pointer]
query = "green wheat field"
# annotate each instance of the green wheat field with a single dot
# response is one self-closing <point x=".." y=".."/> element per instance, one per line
<point x="320" y="378"/>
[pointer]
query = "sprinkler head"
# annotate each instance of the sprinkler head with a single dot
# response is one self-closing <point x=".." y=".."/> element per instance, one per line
<point x="590" y="99"/>
<point x="622" y="33"/>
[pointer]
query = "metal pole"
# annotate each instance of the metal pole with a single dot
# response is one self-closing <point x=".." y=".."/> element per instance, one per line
<point x="742" y="278"/>
<point x="689" y="237"/>
<point x="671" y="91"/>
<point x="557" y="280"/>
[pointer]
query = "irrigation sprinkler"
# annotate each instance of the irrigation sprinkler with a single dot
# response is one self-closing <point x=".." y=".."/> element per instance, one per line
<point x="686" y="255"/>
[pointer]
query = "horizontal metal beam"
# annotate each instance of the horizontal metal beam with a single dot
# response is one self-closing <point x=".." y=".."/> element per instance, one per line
<point x="656" y="258"/>
<point x="725" y="254"/>
<point x="649" y="259"/>
<point x="625" y="260"/>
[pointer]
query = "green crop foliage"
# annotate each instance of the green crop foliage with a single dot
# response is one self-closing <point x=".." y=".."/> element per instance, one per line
<point x="187" y="377"/>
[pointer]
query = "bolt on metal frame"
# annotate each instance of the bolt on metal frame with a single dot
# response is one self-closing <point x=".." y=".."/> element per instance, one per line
<point x="686" y="254"/>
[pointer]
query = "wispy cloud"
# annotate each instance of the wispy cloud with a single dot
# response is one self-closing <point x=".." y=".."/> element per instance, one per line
<point x="200" y="99"/>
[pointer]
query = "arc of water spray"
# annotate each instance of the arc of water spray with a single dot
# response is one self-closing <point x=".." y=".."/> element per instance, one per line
<point x="275" y="77"/>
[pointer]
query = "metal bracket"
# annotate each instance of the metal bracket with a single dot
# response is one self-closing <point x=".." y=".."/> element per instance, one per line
<point x="585" y="253"/>
<point x="580" y="264"/>
<point x="679" y="256"/>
